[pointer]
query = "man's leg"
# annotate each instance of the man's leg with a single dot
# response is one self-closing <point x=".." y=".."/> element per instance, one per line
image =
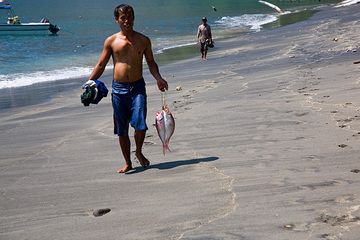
<point x="202" y="50"/>
<point x="139" y="141"/>
<point x="124" y="142"/>
<point x="205" y="51"/>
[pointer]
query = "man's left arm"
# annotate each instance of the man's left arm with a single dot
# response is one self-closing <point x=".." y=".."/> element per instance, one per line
<point x="154" y="68"/>
<point x="210" y="35"/>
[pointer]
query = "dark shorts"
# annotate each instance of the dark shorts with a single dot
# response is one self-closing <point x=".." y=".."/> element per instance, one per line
<point x="129" y="104"/>
<point x="203" y="46"/>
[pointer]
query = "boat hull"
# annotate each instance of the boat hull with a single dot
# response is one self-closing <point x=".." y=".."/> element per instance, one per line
<point x="27" y="28"/>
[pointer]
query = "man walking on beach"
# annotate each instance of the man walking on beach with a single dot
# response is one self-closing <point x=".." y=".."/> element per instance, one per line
<point x="204" y="37"/>
<point x="127" y="49"/>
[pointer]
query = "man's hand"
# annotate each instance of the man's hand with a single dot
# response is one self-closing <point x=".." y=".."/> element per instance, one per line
<point x="162" y="84"/>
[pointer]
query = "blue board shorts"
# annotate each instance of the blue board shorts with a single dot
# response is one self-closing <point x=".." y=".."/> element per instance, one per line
<point x="129" y="104"/>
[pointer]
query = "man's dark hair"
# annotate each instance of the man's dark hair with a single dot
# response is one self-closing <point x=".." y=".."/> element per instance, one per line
<point x="123" y="8"/>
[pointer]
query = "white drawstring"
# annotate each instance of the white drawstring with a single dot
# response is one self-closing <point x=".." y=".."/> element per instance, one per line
<point x="163" y="98"/>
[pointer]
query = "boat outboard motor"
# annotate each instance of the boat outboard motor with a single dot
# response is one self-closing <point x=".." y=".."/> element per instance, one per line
<point x="53" y="29"/>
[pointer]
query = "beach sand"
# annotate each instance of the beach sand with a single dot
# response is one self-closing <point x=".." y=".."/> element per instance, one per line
<point x="266" y="146"/>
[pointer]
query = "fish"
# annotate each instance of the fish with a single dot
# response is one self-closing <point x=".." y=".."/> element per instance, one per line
<point x="165" y="126"/>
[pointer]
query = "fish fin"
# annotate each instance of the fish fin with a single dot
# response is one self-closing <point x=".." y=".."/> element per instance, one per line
<point x="166" y="147"/>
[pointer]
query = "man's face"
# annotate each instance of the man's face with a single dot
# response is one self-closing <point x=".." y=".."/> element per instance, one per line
<point x="126" y="20"/>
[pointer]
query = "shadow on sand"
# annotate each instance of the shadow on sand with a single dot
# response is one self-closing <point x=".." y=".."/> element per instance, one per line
<point x="173" y="164"/>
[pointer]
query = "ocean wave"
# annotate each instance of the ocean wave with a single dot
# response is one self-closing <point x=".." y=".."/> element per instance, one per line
<point x="347" y="3"/>
<point x="252" y="21"/>
<point x="26" y="79"/>
<point x="159" y="51"/>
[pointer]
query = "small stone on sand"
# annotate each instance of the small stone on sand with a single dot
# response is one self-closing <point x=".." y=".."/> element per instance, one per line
<point x="100" y="212"/>
<point x="288" y="226"/>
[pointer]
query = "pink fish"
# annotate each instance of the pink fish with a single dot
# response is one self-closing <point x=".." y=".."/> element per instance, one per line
<point x="165" y="126"/>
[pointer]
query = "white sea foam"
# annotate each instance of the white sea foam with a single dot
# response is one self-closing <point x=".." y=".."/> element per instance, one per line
<point x="26" y="79"/>
<point x="174" y="46"/>
<point x="253" y="21"/>
<point x="347" y="3"/>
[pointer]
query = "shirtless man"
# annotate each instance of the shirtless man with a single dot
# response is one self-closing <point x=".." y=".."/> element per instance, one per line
<point x="127" y="49"/>
<point x="204" y="36"/>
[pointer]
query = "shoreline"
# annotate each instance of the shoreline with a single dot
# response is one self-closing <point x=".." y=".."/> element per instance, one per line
<point x="9" y="97"/>
<point x="266" y="146"/>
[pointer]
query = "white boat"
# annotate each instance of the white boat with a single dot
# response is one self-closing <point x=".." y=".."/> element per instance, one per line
<point x="14" y="25"/>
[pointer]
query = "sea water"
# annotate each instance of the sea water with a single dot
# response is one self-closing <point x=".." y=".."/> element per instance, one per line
<point x="29" y="59"/>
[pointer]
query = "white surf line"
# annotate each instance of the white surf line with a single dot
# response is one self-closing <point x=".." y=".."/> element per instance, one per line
<point x="347" y="3"/>
<point x="271" y="5"/>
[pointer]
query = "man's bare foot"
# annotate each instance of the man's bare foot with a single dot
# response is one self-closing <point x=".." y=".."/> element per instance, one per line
<point x="143" y="160"/>
<point x="124" y="169"/>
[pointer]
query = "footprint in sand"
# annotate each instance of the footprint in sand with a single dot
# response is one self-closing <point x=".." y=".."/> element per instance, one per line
<point x="148" y="143"/>
<point x="337" y="220"/>
<point x="328" y="236"/>
<point x="182" y="105"/>
<point x="301" y="114"/>
<point x="347" y="120"/>
<point x="301" y="90"/>
<point x="345" y="199"/>
<point x="331" y="183"/>
<point x="149" y="139"/>
<point x="314" y="89"/>
<point x="314" y="186"/>
<point x="313" y="158"/>
<point x="301" y="227"/>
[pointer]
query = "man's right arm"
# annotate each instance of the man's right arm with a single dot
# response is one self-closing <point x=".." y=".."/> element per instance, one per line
<point x="198" y="34"/>
<point x="103" y="60"/>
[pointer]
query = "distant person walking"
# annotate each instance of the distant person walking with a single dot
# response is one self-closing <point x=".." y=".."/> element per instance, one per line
<point x="127" y="49"/>
<point x="204" y="37"/>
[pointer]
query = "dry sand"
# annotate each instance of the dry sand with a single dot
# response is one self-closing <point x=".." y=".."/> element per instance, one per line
<point x="266" y="146"/>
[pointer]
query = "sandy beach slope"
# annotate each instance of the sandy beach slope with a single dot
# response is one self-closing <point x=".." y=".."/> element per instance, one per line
<point x="266" y="146"/>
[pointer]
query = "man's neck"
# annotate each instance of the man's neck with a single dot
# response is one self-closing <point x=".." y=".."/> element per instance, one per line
<point x="128" y="33"/>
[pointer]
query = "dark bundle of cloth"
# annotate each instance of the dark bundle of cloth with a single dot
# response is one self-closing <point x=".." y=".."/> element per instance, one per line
<point x="95" y="90"/>
<point x="210" y="43"/>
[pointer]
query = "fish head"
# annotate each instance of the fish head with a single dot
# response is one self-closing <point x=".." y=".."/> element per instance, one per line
<point x="159" y="116"/>
<point x="165" y="108"/>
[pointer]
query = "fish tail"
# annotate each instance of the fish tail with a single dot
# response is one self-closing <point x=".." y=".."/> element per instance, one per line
<point x="166" y="147"/>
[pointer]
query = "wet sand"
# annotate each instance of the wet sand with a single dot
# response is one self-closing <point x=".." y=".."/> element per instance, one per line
<point x="266" y="146"/>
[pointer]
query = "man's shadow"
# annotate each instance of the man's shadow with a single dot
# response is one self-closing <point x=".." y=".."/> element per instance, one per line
<point x="173" y="164"/>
